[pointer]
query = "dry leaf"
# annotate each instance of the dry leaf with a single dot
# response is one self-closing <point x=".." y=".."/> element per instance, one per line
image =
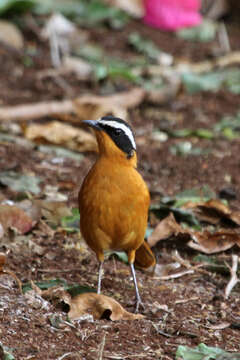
<point x="13" y="217"/>
<point x="82" y="69"/>
<point x="166" y="228"/>
<point x="57" y="133"/>
<point x="53" y="211"/>
<point x="1" y="231"/>
<point x="214" y="211"/>
<point x="220" y="326"/>
<point x="3" y="260"/>
<point x="11" y="35"/>
<point x="134" y="7"/>
<point x="211" y="243"/>
<point x="98" y="306"/>
<point x="30" y="208"/>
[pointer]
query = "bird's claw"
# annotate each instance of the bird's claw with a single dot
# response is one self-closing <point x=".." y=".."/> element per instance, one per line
<point x="139" y="304"/>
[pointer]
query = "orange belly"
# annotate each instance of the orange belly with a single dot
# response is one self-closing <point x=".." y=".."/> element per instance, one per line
<point x="113" y="203"/>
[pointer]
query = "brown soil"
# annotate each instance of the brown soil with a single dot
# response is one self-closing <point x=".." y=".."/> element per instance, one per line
<point x="195" y="302"/>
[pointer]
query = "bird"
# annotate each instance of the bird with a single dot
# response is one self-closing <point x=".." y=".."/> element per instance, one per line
<point x="114" y="199"/>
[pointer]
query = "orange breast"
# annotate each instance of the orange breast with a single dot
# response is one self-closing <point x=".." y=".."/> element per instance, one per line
<point x="113" y="202"/>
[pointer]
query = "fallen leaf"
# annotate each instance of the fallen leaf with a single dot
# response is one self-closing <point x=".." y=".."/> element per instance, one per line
<point x="166" y="228"/>
<point x="57" y="133"/>
<point x="214" y="211"/>
<point x="30" y="208"/>
<point x="82" y="69"/>
<point x="54" y="211"/>
<point x="1" y="231"/>
<point x="210" y="243"/>
<point x="204" y="352"/>
<point x="3" y="260"/>
<point x="205" y="32"/>
<point x="14" y="217"/>
<point x="100" y="306"/>
<point x="165" y="269"/>
<point x="134" y="8"/>
<point x="219" y="326"/>
<point x="11" y="35"/>
<point x="20" y="182"/>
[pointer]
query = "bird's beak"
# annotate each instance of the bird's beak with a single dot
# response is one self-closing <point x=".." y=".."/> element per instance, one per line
<point x="93" y="123"/>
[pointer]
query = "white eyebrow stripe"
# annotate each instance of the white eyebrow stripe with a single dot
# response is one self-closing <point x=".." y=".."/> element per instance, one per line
<point x="118" y="125"/>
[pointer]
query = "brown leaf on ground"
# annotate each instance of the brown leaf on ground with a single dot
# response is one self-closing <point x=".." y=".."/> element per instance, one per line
<point x="134" y="7"/>
<point x="99" y="306"/>
<point x="11" y="35"/>
<point x="3" y="260"/>
<point x="14" y="217"/>
<point x="166" y="228"/>
<point x="58" y="133"/>
<point x="210" y="243"/>
<point x="214" y="211"/>
<point x="53" y="211"/>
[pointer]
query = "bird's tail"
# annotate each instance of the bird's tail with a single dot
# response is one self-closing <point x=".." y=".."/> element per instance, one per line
<point x="144" y="257"/>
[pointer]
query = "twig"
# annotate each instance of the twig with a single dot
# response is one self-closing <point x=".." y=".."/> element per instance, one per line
<point x="35" y="111"/>
<point x="64" y="355"/>
<point x="234" y="279"/>
<point x="101" y="347"/>
<point x="125" y="100"/>
<point x="223" y="38"/>
<point x="174" y="276"/>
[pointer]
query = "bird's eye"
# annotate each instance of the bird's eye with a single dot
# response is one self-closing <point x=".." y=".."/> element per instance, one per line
<point x="118" y="131"/>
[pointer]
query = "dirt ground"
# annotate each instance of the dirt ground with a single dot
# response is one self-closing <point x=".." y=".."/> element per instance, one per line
<point x="185" y="311"/>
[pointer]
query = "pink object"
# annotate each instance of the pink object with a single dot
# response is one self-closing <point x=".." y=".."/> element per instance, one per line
<point x="172" y="14"/>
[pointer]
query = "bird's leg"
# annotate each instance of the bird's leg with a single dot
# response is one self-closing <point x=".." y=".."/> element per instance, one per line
<point x="138" y="298"/>
<point x="100" y="272"/>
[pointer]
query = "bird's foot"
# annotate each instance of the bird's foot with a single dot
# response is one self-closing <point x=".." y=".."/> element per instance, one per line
<point x="139" y="305"/>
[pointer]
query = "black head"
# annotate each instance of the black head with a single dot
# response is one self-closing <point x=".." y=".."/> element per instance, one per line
<point x="118" y="130"/>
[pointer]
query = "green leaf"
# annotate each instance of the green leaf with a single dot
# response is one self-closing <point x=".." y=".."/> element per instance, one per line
<point x="181" y="215"/>
<point x="232" y="80"/>
<point x="121" y="255"/>
<point x="204" y="352"/>
<point x="144" y="46"/>
<point x="215" y="265"/>
<point x="70" y="8"/>
<point x="194" y="195"/>
<point x="45" y="284"/>
<point x="229" y="126"/>
<point x="203" y="33"/>
<point x="15" y="5"/>
<point x="71" y="223"/>
<point x="84" y="12"/>
<point x="20" y="182"/>
<point x="60" y="152"/>
<point x="212" y="81"/>
<point x="76" y="289"/>
<point x="186" y="148"/>
<point x="73" y="289"/>
<point x="194" y="83"/>
<point x="201" y="133"/>
<point x="6" y="352"/>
